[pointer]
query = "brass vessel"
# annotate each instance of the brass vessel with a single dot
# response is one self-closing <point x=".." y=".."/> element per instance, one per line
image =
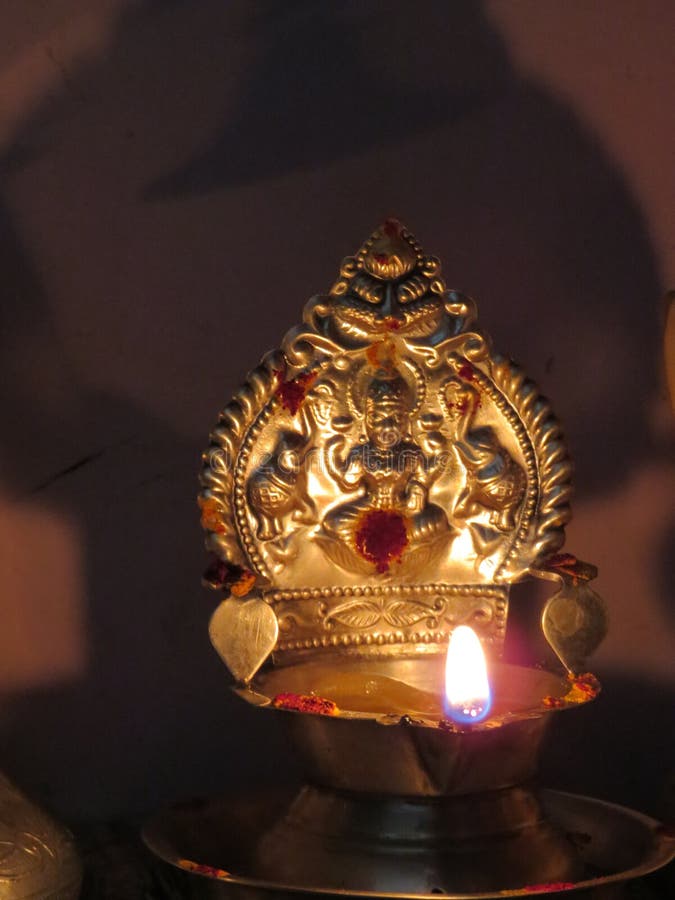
<point x="38" y="859"/>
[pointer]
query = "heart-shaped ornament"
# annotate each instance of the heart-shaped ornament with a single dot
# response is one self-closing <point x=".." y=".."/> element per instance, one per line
<point x="244" y="633"/>
<point x="574" y="622"/>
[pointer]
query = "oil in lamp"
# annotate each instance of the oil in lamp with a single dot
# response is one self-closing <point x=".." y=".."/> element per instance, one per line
<point x="369" y="496"/>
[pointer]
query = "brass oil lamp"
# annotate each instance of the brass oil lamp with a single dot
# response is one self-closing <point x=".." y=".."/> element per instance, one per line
<point x="369" y="496"/>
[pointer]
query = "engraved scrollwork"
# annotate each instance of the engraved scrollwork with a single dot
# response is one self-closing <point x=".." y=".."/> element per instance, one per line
<point x="217" y="477"/>
<point x="37" y="856"/>
<point x="471" y="345"/>
<point x="287" y="623"/>
<point x="304" y="348"/>
<point x="391" y="286"/>
<point x="365" y="612"/>
<point x="554" y="468"/>
<point x="401" y="613"/>
<point x="320" y="407"/>
<point x="358" y="614"/>
<point x="480" y="617"/>
<point x="395" y="616"/>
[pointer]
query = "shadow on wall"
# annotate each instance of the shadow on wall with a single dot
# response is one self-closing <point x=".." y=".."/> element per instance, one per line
<point x="337" y="82"/>
<point x="116" y="739"/>
<point x="279" y="127"/>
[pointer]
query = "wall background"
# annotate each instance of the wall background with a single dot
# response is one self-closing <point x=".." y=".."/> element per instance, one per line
<point x="175" y="180"/>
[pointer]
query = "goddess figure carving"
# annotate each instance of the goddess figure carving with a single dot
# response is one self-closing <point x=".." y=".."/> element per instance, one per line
<point x="392" y="516"/>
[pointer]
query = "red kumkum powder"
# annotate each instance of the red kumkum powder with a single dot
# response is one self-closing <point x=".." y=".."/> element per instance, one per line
<point x="292" y="393"/>
<point x="306" y="703"/>
<point x="562" y="561"/>
<point x="466" y="372"/>
<point x="571" y="566"/>
<point x="381" y="538"/>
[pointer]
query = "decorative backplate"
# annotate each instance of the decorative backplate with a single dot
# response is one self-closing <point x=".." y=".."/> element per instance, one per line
<point x="384" y="475"/>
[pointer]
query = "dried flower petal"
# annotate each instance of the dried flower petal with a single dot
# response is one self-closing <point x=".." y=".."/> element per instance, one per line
<point x="569" y="565"/>
<point x="583" y="688"/>
<point x="201" y="869"/>
<point x="211" y="515"/>
<point x="226" y="575"/>
<point x="553" y="702"/>
<point x="382" y="354"/>
<point x="306" y="703"/>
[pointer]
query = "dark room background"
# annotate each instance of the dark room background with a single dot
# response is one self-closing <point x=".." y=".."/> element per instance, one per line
<point x="176" y="179"/>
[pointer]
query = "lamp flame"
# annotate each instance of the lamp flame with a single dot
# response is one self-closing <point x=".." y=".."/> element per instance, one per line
<point x="467" y="688"/>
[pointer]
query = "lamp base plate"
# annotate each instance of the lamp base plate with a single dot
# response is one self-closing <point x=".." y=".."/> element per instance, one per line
<point x="282" y="845"/>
